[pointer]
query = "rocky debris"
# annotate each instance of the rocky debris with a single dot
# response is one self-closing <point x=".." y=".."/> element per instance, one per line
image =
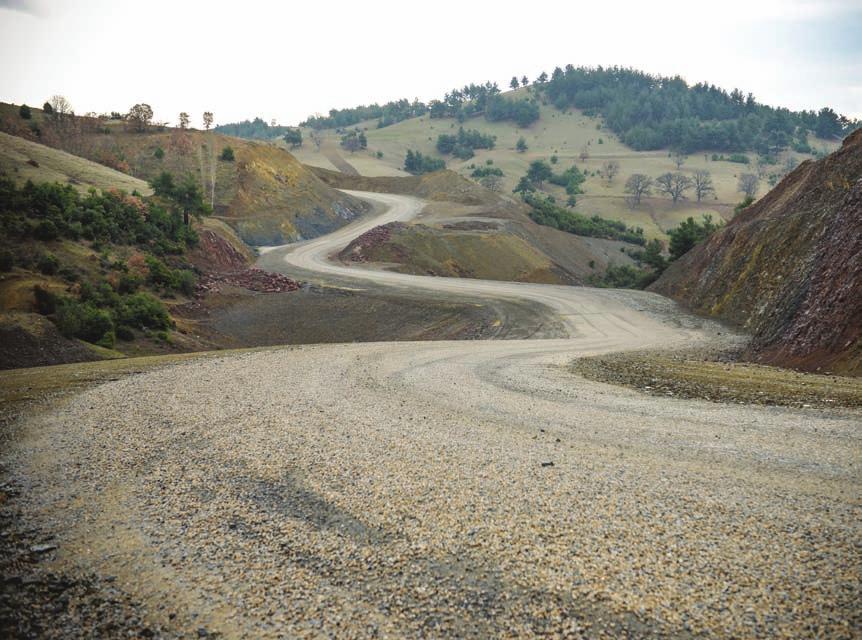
<point x="37" y="602"/>
<point x="788" y="269"/>
<point x="253" y="279"/>
<point x="371" y="239"/>
<point x="214" y="253"/>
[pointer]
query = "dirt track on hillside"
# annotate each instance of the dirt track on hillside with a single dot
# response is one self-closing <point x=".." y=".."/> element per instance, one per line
<point x="453" y="489"/>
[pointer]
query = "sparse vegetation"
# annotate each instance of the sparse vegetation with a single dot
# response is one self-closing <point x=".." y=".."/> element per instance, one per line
<point x="353" y="141"/>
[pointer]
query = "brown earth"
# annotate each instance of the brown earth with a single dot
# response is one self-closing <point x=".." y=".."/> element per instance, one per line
<point x="788" y="268"/>
<point x="29" y="340"/>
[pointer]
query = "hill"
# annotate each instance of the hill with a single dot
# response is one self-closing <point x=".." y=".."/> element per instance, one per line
<point x="788" y="268"/>
<point x="571" y="138"/>
<point x="263" y="192"/>
<point x="469" y="231"/>
<point x="24" y="160"/>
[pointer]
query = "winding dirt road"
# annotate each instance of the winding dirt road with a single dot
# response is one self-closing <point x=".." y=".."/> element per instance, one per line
<point x="453" y="489"/>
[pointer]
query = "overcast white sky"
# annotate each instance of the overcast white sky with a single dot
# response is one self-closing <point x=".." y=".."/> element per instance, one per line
<point x="287" y="60"/>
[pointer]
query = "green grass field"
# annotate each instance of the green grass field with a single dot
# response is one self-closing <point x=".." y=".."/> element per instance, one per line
<point x="565" y="135"/>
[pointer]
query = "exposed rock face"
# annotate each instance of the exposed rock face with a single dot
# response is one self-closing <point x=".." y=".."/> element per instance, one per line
<point x="788" y="268"/>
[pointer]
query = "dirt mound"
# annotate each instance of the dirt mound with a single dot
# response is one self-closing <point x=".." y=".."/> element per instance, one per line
<point x="31" y="340"/>
<point x="789" y="268"/>
<point x="423" y="250"/>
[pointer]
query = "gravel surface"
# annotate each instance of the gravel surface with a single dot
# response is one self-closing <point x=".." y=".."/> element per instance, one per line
<point x="453" y="489"/>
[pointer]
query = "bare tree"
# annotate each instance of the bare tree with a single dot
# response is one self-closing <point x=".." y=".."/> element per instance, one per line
<point x="761" y="168"/>
<point x="679" y="159"/>
<point x="748" y="184"/>
<point x="674" y="185"/>
<point x="491" y="183"/>
<point x="702" y="183"/>
<point x="584" y="155"/>
<point x="316" y="139"/>
<point x="609" y="170"/>
<point x="60" y="106"/>
<point x="208" y="120"/>
<point x="790" y="164"/>
<point x="184" y="120"/>
<point x="140" y="116"/>
<point x="637" y="186"/>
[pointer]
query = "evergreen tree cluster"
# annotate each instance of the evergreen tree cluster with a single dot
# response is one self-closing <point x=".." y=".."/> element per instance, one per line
<point x="255" y="129"/>
<point x="417" y="164"/>
<point x="654" y="112"/>
<point x="462" y="145"/>
<point x="386" y="114"/>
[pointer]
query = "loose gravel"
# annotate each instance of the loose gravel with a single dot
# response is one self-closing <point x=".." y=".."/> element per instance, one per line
<point x="450" y="489"/>
<point x="402" y="491"/>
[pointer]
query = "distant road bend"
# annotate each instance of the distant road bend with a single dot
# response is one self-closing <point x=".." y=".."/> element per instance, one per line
<point x="454" y="489"/>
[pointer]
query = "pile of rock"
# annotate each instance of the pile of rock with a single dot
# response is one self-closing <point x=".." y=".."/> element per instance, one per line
<point x="371" y="238"/>
<point x="253" y="279"/>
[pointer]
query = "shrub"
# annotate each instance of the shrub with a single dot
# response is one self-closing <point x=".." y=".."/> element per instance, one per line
<point x="46" y="302"/>
<point x="25" y="112"/>
<point x="141" y="310"/>
<point x="688" y="234"/>
<point x="85" y="321"/>
<point x="46" y="230"/>
<point x="159" y="153"/>
<point x="129" y="283"/>
<point x="48" y="264"/>
<point x="7" y="260"/>
<point x="227" y="155"/>
<point x="125" y="333"/>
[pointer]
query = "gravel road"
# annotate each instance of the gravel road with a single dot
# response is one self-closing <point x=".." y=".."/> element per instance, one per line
<point x="452" y="489"/>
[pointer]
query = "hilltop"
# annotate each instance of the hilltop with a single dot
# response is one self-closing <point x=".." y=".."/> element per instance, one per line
<point x="263" y="192"/>
<point x="563" y="139"/>
<point x="788" y="268"/>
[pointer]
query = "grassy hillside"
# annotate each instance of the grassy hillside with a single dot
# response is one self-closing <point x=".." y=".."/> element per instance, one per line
<point x="264" y="193"/>
<point x="566" y="135"/>
<point x="24" y="160"/>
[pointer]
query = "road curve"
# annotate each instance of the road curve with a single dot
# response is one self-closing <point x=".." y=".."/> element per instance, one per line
<point x="451" y="489"/>
<point x="617" y="317"/>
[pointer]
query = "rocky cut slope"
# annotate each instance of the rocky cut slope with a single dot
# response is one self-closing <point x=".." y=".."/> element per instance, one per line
<point x="788" y="268"/>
